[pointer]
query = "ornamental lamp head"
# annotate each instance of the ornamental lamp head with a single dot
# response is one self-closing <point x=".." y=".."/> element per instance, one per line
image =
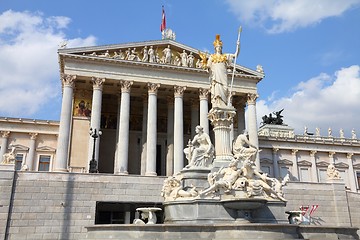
<point x="217" y="42"/>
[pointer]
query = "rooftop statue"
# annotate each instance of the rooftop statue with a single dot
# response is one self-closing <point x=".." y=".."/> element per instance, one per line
<point x="277" y="120"/>
<point x="218" y="64"/>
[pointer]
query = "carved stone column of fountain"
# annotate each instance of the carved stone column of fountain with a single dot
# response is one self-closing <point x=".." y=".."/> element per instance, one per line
<point x="221" y="119"/>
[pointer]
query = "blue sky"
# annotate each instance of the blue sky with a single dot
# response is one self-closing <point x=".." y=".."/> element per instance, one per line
<point x="309" y="49"/>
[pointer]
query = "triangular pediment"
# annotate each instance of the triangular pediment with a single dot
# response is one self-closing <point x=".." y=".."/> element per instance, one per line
<point x="18" y="147"/>
<point x="285" y="162"/>
<point x="266" y="161"/>
<point x="341" y="165"/>
<point x="45" y="149"/>
<point x="322" y="164"/>
<point x="304" y="163"/>
<point x="356" y="166"/>
<point x="118" y="53"/>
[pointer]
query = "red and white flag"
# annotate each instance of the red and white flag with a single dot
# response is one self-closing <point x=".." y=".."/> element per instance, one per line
<point x="163" y="21"/>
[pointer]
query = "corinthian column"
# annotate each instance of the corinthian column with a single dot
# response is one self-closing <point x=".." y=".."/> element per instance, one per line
<point x="62" y="150"/>
<point x="151" y="130"/>
<point x="314" y="176"/>
<point x="252" y="124"/>
<point x="204" y="109"/>
<point x="170" y="137"/>
<point x="178" y="129"/>
<point x="276" y="164"/>
<point x="123" y="146"/>
<point x="4" y="142"/>
<point x="240" y="111"/>
<point x="194" y="116"/>
<point x="143" y="135"/>
<point x="95" y="116"/>
<point x="352" y="179"/>
<point x="30" y="158"/>
<point x="331" y="157"/>
<point x="295" y="165"/>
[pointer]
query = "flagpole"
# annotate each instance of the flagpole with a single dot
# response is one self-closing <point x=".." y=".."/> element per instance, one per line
<point x="233" y="73"/>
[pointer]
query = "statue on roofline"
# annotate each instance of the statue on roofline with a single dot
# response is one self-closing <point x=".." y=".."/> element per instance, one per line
<point x="277" y="120"/>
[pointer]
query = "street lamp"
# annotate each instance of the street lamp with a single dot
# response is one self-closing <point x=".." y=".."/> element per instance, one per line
<point x="93" y="163"/>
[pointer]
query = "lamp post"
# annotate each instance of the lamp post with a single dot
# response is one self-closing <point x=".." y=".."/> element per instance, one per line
<point x="93" y="163"/>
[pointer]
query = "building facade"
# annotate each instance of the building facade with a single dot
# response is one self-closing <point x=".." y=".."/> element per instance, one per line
<point x="146" y="98"/>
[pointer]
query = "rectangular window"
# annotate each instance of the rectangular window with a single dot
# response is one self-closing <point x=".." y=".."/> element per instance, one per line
<point x="283" y="172"/>
<point x="122" y="213"/>
<point x="358" y="179"/>
<point x="323" y="175"/>
<point x="44" y="163"/>
<point x="304" y="175"/>
<point x="266" y="169"/>
<point x="18" y="161"/>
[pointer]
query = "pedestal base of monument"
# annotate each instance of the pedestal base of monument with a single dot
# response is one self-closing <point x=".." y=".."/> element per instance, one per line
<point x="195" y="176"/>
<point x="241" y="211"/>
<point x="7" y="167"/>
<point x="219" y="231"/>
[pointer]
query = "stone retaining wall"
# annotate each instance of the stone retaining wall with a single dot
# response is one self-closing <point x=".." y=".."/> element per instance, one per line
<point x="60" y="205"/>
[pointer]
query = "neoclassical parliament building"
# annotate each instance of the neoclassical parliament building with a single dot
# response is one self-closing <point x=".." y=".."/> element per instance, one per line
<point x="146" y="98"/>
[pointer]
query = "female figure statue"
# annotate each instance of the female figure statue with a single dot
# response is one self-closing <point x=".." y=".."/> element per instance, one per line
<point x="217" y="64"/>
<point x="200" y="151"/>
<point x="151" y="54"/>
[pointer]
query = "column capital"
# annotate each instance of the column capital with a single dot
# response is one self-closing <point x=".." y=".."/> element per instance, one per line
<point x="179" y="91"/>
<point x="313" y="153"/>
<point x="275" y="150"/>
<point x="349" y="155"/>
<point x="251" y="98"/>
<point x="153" y="87"/>
<point x="98" y="83"/>
<point x="33" y="136"/>
<point x="126" y="86"/>
<point x="294" y="151"/>
<point x="68" y="80"/>
<point x="331" y="154"/>
<point x="4" y="134"/>
<point x="204" y="93"/>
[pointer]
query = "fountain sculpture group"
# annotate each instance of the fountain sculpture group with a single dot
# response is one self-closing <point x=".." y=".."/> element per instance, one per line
<point x="221" y="183"/>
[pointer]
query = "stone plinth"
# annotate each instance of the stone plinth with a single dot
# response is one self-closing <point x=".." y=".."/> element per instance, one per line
<point x="219" y="231"/>
<point x="8" y="167"/>
<point x="241" y="211"/>
<point x="195" y="176"/>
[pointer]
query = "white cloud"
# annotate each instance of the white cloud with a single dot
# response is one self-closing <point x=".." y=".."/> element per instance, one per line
<point x="323" y="101"/>
<point x="29" y="75"/>
<point x="287" y="15"/>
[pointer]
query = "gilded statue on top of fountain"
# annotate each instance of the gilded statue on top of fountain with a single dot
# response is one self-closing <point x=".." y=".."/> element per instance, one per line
<point x="218" y="64"/>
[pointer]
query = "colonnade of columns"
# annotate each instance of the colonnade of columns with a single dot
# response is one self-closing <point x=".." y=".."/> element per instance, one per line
<point x="175" y="141"/>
